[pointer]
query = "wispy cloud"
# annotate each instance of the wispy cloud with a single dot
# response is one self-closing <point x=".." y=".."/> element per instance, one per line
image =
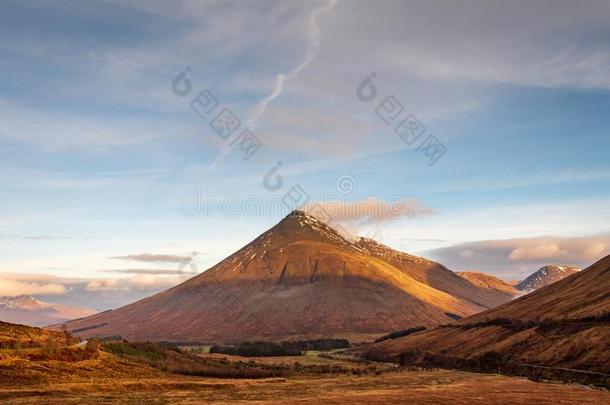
<point x="153" y="258"/>
<point x="259" y="108"/>
<point x="100" y="293"/>
<point x="313" y="34"/>
<point x="54" y="131"/>
<point x="13" y="236"/>
<point x="143" y="282"/>
<point x="366" y="216"/>
<point x="156" y="272"/>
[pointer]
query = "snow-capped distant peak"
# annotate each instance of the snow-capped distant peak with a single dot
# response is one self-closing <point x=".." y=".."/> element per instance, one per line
<point x="546" y="275"/>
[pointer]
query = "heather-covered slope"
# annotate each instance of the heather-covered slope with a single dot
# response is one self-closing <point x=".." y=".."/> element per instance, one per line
<point x="562" y="325"/>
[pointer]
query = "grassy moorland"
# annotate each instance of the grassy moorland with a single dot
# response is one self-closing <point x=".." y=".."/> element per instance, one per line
<point x="41" y="367"/>
<point x="420" y="387"/>
<point x="146" y="373"/>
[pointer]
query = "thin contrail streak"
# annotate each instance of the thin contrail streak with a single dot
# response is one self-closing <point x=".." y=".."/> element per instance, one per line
<point x="280" y="79"/>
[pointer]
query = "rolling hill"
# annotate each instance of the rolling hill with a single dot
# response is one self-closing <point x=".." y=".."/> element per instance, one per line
<point x="22" y="336"/>
<point x="301" y="279"/>
<point x="563" y="326"/>
<point x="488" y="281"/>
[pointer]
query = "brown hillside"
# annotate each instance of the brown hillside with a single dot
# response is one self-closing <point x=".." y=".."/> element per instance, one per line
<point x="563" y="325"/>
<point x="485" y="280"/>
<point x="300" y="279"/>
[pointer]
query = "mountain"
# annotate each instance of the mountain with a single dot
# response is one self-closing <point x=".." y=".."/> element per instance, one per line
<point x="300" y="279"/>
<point x="485" y="280"/>
<point x="545" y="276"/>
<point x="565" y="325"/>
<point x="26" y="310"/>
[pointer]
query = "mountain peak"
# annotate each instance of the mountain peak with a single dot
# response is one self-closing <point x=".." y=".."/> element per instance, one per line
<point x="24" y="309"/>
<point x="21" y="301"/>
<point x="301" y="225"/>
<point x="545" y="275"/>
<point x="297" y="213"/>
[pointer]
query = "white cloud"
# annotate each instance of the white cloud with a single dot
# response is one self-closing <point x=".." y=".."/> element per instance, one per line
<point x="596" y="250"/>
<point x="367" y="211"/>
<point x="154" y="258"/>
<point x="550" y="251"/>
<point x="365" y="217"/>
<point x="13" y="288"/>
<point x="141" y="282"/>
<point x="98" y="293"/>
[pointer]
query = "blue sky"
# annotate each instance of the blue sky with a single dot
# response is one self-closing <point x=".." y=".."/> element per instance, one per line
<point x="97" y="153"/>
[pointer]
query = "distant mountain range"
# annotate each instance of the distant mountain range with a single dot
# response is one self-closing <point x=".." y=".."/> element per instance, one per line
<point x="26" y="310"/>
<point x="542" y="277"/>
<point x="300" y="279"/>
<point x="561" y="327"/>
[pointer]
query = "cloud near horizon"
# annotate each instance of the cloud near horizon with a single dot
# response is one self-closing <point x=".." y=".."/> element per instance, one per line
<point x="522" y="256"/>
<point x="140" y="282"/>
<point x="98" y="293"/>
<point x="15" y="288"/>
<point x="154" y="272"/>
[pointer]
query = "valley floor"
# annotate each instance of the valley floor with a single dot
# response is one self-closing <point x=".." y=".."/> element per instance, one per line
<point x="419" y="387"/>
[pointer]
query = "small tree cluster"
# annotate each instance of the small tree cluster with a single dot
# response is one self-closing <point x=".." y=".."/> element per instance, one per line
<point x="286" y="348"/>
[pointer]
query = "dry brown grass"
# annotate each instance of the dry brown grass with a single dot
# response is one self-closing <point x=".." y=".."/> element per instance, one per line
<point x="13" y="336"/>
<point x="416" y="387"/>
<point x="27" y="377"/>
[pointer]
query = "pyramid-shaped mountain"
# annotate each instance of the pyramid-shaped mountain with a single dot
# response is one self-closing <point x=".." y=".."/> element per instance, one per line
<point x="300" y="279"/>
